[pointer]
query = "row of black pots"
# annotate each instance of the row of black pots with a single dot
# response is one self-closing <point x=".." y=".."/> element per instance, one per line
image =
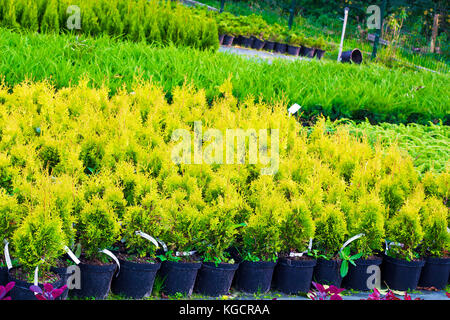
<point x="135" y="280"/>
<point x="258" y="44"/>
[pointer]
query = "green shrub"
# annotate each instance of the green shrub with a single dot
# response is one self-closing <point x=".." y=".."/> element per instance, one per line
<point x="331" y="231"/>
<point x="10" y="218"/>
<point x="436" y="238"/>
<point x="98" y="228"/>
<point x="297" y="227"/>
<point x="39" y="240"/>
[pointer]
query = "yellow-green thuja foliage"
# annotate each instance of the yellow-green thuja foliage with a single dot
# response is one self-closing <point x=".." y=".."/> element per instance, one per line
<point x="39" y="240"/>
<point x="436" y="238"/>
<point x="10" y="218"/>
<point x="331" y="231"/>
<point x="297" y="227"/>
<point x="98" y="228"/>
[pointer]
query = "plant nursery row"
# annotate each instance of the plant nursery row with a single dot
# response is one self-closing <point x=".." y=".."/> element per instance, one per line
<point x="149" y="179"/>
<point x="334" y="90"/>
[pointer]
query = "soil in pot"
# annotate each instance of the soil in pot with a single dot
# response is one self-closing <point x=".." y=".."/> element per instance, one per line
<point x="179" y="277"/>
<point x="294" y="275"/>
<point x="227" y="40"/>
<point x="318" y="53"/>
<point x="257" y="44"/>
<point x="400" y="274"/>
<point x="215" y="280"/>
<point x="307" y="52"/>
<point x="435" y="273"/>
<point x="280" y="47"/>
<point x="255" y="277"/>
<point x="293" y="50"/>
<point x="357" y="277"/>
<point x="21" y="290"/>
<point x="269" y="46"/>
<point x="328" y="272"/>
<point x="96" y="278"/>
<point x="136" y="277"/>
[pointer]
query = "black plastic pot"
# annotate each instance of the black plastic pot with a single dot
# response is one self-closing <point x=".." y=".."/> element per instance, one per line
<point x="221" y="36"/>
<point x="401" y="274"/>
<point x="227" y="40"/>
<point x="179" y="277"/>
<point x="247" y="42"/>
<point x="307" y="52"/>
<point x="252" y="277"/>
<point x="215" y="281"/>
<point x="318" y="53"/>
<point x="63" y="273"/>
<point x="238" y="40"/>
<point x="95" y="281"/>
<point x="135" y="280"/>
<point x="354" y="56"/>
<point x="357" y="277"/>
<point x="328" y="272"/>
<point x="294" y="276"/>
<point x="280" y="47"/>
<point x="293" y="50"/>
<point x="269" y="46"/>
<point x="21" y="290"/>
<point x="3" y="276"/>
<point x="435" y="273"/>
<point x="258" y="44"/>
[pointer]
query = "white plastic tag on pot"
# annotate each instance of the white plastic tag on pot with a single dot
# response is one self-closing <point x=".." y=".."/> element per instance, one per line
<point x="36" y="276"/>
<point x="7" y="257"/>
<point x="389" y="244"/>
<point x="148" y="237"/>
<point x="162" y="244"/>
<point x="185" y="254"/>
<point x="310" y="244"/>
<point x="294" y="108"/>
<point x="71" y="255"/>
<point x="109" y="253"/>
<point x="351" y="240"/>
<point x="296" y="254"/>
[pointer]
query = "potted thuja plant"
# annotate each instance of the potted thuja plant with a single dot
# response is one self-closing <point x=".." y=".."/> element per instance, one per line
<point x="319" y="46"/>
<point x="10" y="218"/>
<point x="37" y="244"/>
<point x="366" y="231"/>
<point x="260" y="246"/>
<point x="98" y="229"/>
<point x="218" y="233"/>
<point x="435" y="244"/>
<point x="402" y="264"/>
<point x="331" y="231"/>
<point x="294" y="270"/>
<point x="180" y="263"/>
<point x="142" y="225"/>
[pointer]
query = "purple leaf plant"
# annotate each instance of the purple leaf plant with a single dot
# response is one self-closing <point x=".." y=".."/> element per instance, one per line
<point x="5" y="289"/>
<point x="49" y="293"/>
<point x="322" y="293"/>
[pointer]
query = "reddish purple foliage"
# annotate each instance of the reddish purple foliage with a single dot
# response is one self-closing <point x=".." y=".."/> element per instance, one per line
<point x="5" y="289"/>
<point x="330" y="293"/>
<point x="49" y="292"/>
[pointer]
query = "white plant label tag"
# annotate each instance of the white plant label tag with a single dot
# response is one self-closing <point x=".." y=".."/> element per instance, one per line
<point x="72" y="255"/>
<point x="36" y="276"/>
<point x="296" y="254"/>
<point x="7" y="257"/>
<point x="162" y="244"/>
<point x="148" y="237"/>
<point x="184" y="254"/>
<point x="310" y="244"/>
<point x="351" y="240"/>
<point x="109" y="253"/>
<point x="388" y="245"/>
<point x="294" y="108"/>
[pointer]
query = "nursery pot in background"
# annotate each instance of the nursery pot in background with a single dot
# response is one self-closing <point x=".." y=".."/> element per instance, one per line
<point x="63" y="273"/>
<point x="135" y="280"/>
<point x="354" y="56"/>
<point x="247" y="42"/>
<point x="253" y="277"/>
<point x="238" y="40"/>
<point x="401" y="274"/>
<point x="328" y="272"/>
<point x="95" y="281"/>
<point x="293" y="276"/>
<point x="221" y="36"/>
<point x="307" y="52"/>
<point x="179" y="277"/>
<point x="435" y="273"/>
<point x="318" y="53"/>
<point x="280" y="47"/>
<point x="227" y="40"/>
<point x="215" y="281"/>
<point x="269" y="46"/>
<point x="358" y="276"/>
<point x="21" y="290"/>
<point x="257" y="44"/>
<point x="3" y="276"/>
<point x="293" y="50"/>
